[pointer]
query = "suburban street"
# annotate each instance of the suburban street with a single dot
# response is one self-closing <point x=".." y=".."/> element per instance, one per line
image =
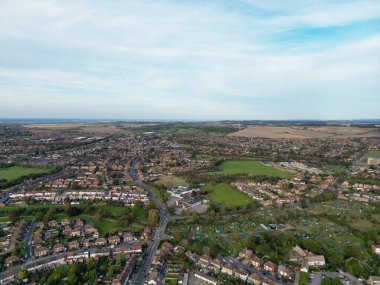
<point x="160" y="230"/>
<point x="27" y="240"/>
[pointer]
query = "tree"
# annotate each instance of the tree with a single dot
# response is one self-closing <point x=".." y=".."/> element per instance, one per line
<point x="152" y="217"/>
<point x="336" y="281"/>
<point x="14" y="215"/>
<point x="326" y="281"/>
<point x="23" y="273"/>
<point x="353" y="266"/>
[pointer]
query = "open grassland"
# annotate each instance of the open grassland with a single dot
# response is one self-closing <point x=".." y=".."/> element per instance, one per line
<point x="292" y="132"/>
<point x="16" y="172"/>
<point x="253" y="167"/>
<point x="225" y="194"/>
<point x="170" y="181"/>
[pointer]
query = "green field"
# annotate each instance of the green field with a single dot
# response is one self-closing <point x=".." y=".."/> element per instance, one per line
<point x="373" y="153"/>
<point x="251" y="167"/>
<point x="225" y="194"/>
<point x="16" y="172"/>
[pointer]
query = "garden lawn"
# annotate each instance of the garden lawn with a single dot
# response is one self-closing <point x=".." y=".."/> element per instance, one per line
<point x="254" y="167"/>
<point x="15" y="172"/>
<point x="225" y="194"/>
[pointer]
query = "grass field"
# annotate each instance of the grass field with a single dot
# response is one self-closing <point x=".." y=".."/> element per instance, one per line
<point x="336" y="169"/>
<point x="15" y="172"/>
<point x="251" y="167"/>
<point x="373" y="153"/>
<point x="225" y="194"/>
<point x="170" y="181"/>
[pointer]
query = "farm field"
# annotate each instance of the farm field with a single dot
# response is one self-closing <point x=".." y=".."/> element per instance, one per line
<point x="15" y="172"/>
<point x="305" y="132"/>
<point x="225" y="194"/>
<point x="250" y="167"/>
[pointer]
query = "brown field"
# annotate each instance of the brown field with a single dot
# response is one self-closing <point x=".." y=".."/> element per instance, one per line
<point x="87" y="127"/>
<point x="305" y="132"/>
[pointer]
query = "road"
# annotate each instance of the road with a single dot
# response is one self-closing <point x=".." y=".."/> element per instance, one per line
<point x="27" y="240"/>
<point x="160" y="230"/>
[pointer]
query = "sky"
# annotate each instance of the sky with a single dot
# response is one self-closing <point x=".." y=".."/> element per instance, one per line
<point x="190" y="60"/>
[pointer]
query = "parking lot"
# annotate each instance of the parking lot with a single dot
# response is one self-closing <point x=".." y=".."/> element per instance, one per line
<point x="344" y="277"/>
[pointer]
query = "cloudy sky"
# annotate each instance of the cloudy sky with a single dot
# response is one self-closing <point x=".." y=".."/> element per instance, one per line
<point x="200" y="60"/>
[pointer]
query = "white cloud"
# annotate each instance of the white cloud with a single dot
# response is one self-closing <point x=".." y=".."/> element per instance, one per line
<point x="180" y="60"/>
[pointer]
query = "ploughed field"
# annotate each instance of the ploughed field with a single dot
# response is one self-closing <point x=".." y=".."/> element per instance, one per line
<point x="253" y="167"/>
<point x="16" y="172"/>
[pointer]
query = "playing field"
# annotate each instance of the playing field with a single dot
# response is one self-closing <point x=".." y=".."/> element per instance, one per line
<point x="225" y="194"/>
<point x="251" y="167"/>
<point x="373" y="153"/>
<point x="15" y="172"/>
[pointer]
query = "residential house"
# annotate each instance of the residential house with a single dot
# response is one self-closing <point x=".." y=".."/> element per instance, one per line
<point x="11" y="260"/>
<point x="256" y="261"/>
<point x="216" y="265"/>
<point x="41" y="251"/>
<point x="205" y="279"/>
<point x="67" y="230"/>
<point x="79" y="223"/>
<point x="297" y="254"/>
<point x="315" y="260"/>
<point x="65" y="222"/>
<point x="73" y="244"/>
<point x="100" y="242"/>
<point x="228" y="269"/>
<point x="128" y="237"/>
<point x="267" y="281"/>
<point x="114" y="240"/>
<point x="59" y="247"/>
<point x="284" y="271"/>
<point x="204" y="261"/>
<point x="374" y="280"/>
<point x="242" y="274"/>
<point x="87" y="243"/>
<point x="270" y="267"/>
<point x="246" y="253"/>
<point x="52" y="224"/>
<point x="76" y="232"/>
<point x="375" y="248"/>
<point x="254" y="279"/>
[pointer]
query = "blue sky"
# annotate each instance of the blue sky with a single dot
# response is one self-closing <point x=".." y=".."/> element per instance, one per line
<point x="197" y="60"/>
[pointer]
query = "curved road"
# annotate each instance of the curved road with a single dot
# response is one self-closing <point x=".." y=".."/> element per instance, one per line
<point x="159" y="233"/>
